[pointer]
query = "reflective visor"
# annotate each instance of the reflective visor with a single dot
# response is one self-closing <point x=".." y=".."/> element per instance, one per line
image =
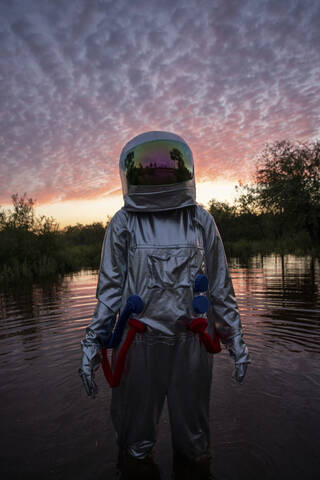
<point x="159" y="162"/>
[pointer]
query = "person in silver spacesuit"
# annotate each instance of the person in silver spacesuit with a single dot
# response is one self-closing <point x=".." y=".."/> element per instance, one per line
<point x="155" y="247"/>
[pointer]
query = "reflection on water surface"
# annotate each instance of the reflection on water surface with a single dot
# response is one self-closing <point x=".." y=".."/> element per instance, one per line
<point x="266" y="428"/>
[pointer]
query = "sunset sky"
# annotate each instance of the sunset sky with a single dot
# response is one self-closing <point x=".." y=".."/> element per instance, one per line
<point x="79" y="78"/>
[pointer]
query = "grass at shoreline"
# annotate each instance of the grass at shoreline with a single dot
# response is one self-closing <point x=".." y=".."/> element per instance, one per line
<point x="71" y="259"/>
<point x="33" y="248"/>
<point x="246" y="248"/>
<point x="74" y="258"/>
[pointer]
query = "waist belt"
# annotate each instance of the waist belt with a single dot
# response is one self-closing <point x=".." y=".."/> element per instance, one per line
<point x="197" y="325"/>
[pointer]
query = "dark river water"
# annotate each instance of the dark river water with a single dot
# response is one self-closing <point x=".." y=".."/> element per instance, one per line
<point x="267" y="428"/>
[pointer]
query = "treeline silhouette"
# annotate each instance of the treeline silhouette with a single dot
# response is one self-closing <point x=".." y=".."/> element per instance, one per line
<point x="278" y="212"/>
<point x="32" y="247"/>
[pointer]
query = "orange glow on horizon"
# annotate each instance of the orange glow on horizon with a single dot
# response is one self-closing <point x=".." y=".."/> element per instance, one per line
<point x="87" y="211"/>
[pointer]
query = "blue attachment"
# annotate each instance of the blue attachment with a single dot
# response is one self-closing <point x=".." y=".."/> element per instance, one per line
<point x="200" y="304"/>
<point x="134" y="305"/>
<point x="201" y="283"/>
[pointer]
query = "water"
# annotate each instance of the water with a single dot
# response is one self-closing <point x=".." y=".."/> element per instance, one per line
<point x="267" y="428"/>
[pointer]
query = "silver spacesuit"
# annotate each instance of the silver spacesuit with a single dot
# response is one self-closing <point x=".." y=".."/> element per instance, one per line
<point x="154" y="247"/>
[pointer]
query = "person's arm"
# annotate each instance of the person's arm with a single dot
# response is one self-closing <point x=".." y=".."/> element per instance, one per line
<point x="223" y="301"/>
<point x="112" y="275"/>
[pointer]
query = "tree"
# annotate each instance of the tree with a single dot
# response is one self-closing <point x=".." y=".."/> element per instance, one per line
<point x="286" y="185"/>
<point x="22" y="216"/>
<point x="221" y="211"/>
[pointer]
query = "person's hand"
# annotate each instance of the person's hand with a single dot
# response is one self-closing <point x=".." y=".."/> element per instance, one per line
<point x="240" y="372"/>
<point x="86" y="372"/>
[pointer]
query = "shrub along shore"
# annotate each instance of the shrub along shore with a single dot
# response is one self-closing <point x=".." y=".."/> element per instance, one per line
<point x="25" y="256"/>
<point x="28" y="256"/>
<point x="38" y="249"/>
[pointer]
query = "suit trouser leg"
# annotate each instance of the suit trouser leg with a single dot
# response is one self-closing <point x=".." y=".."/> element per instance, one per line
<point x="189" y="397"/>
<point x="138" y="401"/>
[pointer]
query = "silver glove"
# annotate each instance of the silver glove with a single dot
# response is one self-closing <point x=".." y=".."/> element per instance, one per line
<point x="89" y="364"/>
<point x="240" y="371"/>
<point x="97" y="335"/>
<point x="239" y="352"/>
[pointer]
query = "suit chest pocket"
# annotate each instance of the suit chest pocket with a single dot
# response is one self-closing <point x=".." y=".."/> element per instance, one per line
<point x="169" y="271"/>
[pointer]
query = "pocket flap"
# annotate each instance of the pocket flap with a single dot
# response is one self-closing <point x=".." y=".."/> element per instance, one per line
<point x="169" y="271"/>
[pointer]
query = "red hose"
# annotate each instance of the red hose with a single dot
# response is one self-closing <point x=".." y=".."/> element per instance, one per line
<point x="114" y="378"/>
<point x="199" y="325"/>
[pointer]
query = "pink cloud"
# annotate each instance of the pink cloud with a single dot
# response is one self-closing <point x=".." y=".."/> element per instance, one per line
<point x="79" y="82"/>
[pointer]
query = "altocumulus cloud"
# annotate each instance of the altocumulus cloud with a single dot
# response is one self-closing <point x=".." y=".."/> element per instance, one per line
<point x="79" y="78"/>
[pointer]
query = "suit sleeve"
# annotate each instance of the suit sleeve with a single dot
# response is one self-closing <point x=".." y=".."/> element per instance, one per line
<point x="112" y="275"/>
<point x="222" y="297"/>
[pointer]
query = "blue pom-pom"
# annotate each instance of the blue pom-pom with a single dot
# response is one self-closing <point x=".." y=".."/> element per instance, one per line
<point x="135" y="304"/>
<point x="201" y="283"/>
<point x="200" y="304"/>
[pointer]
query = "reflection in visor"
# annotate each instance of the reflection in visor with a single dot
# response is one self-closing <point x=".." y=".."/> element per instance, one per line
<point x="161" y="162"/>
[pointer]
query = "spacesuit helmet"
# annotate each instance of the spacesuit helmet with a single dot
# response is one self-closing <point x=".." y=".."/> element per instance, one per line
<point x="153" y="165"/>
